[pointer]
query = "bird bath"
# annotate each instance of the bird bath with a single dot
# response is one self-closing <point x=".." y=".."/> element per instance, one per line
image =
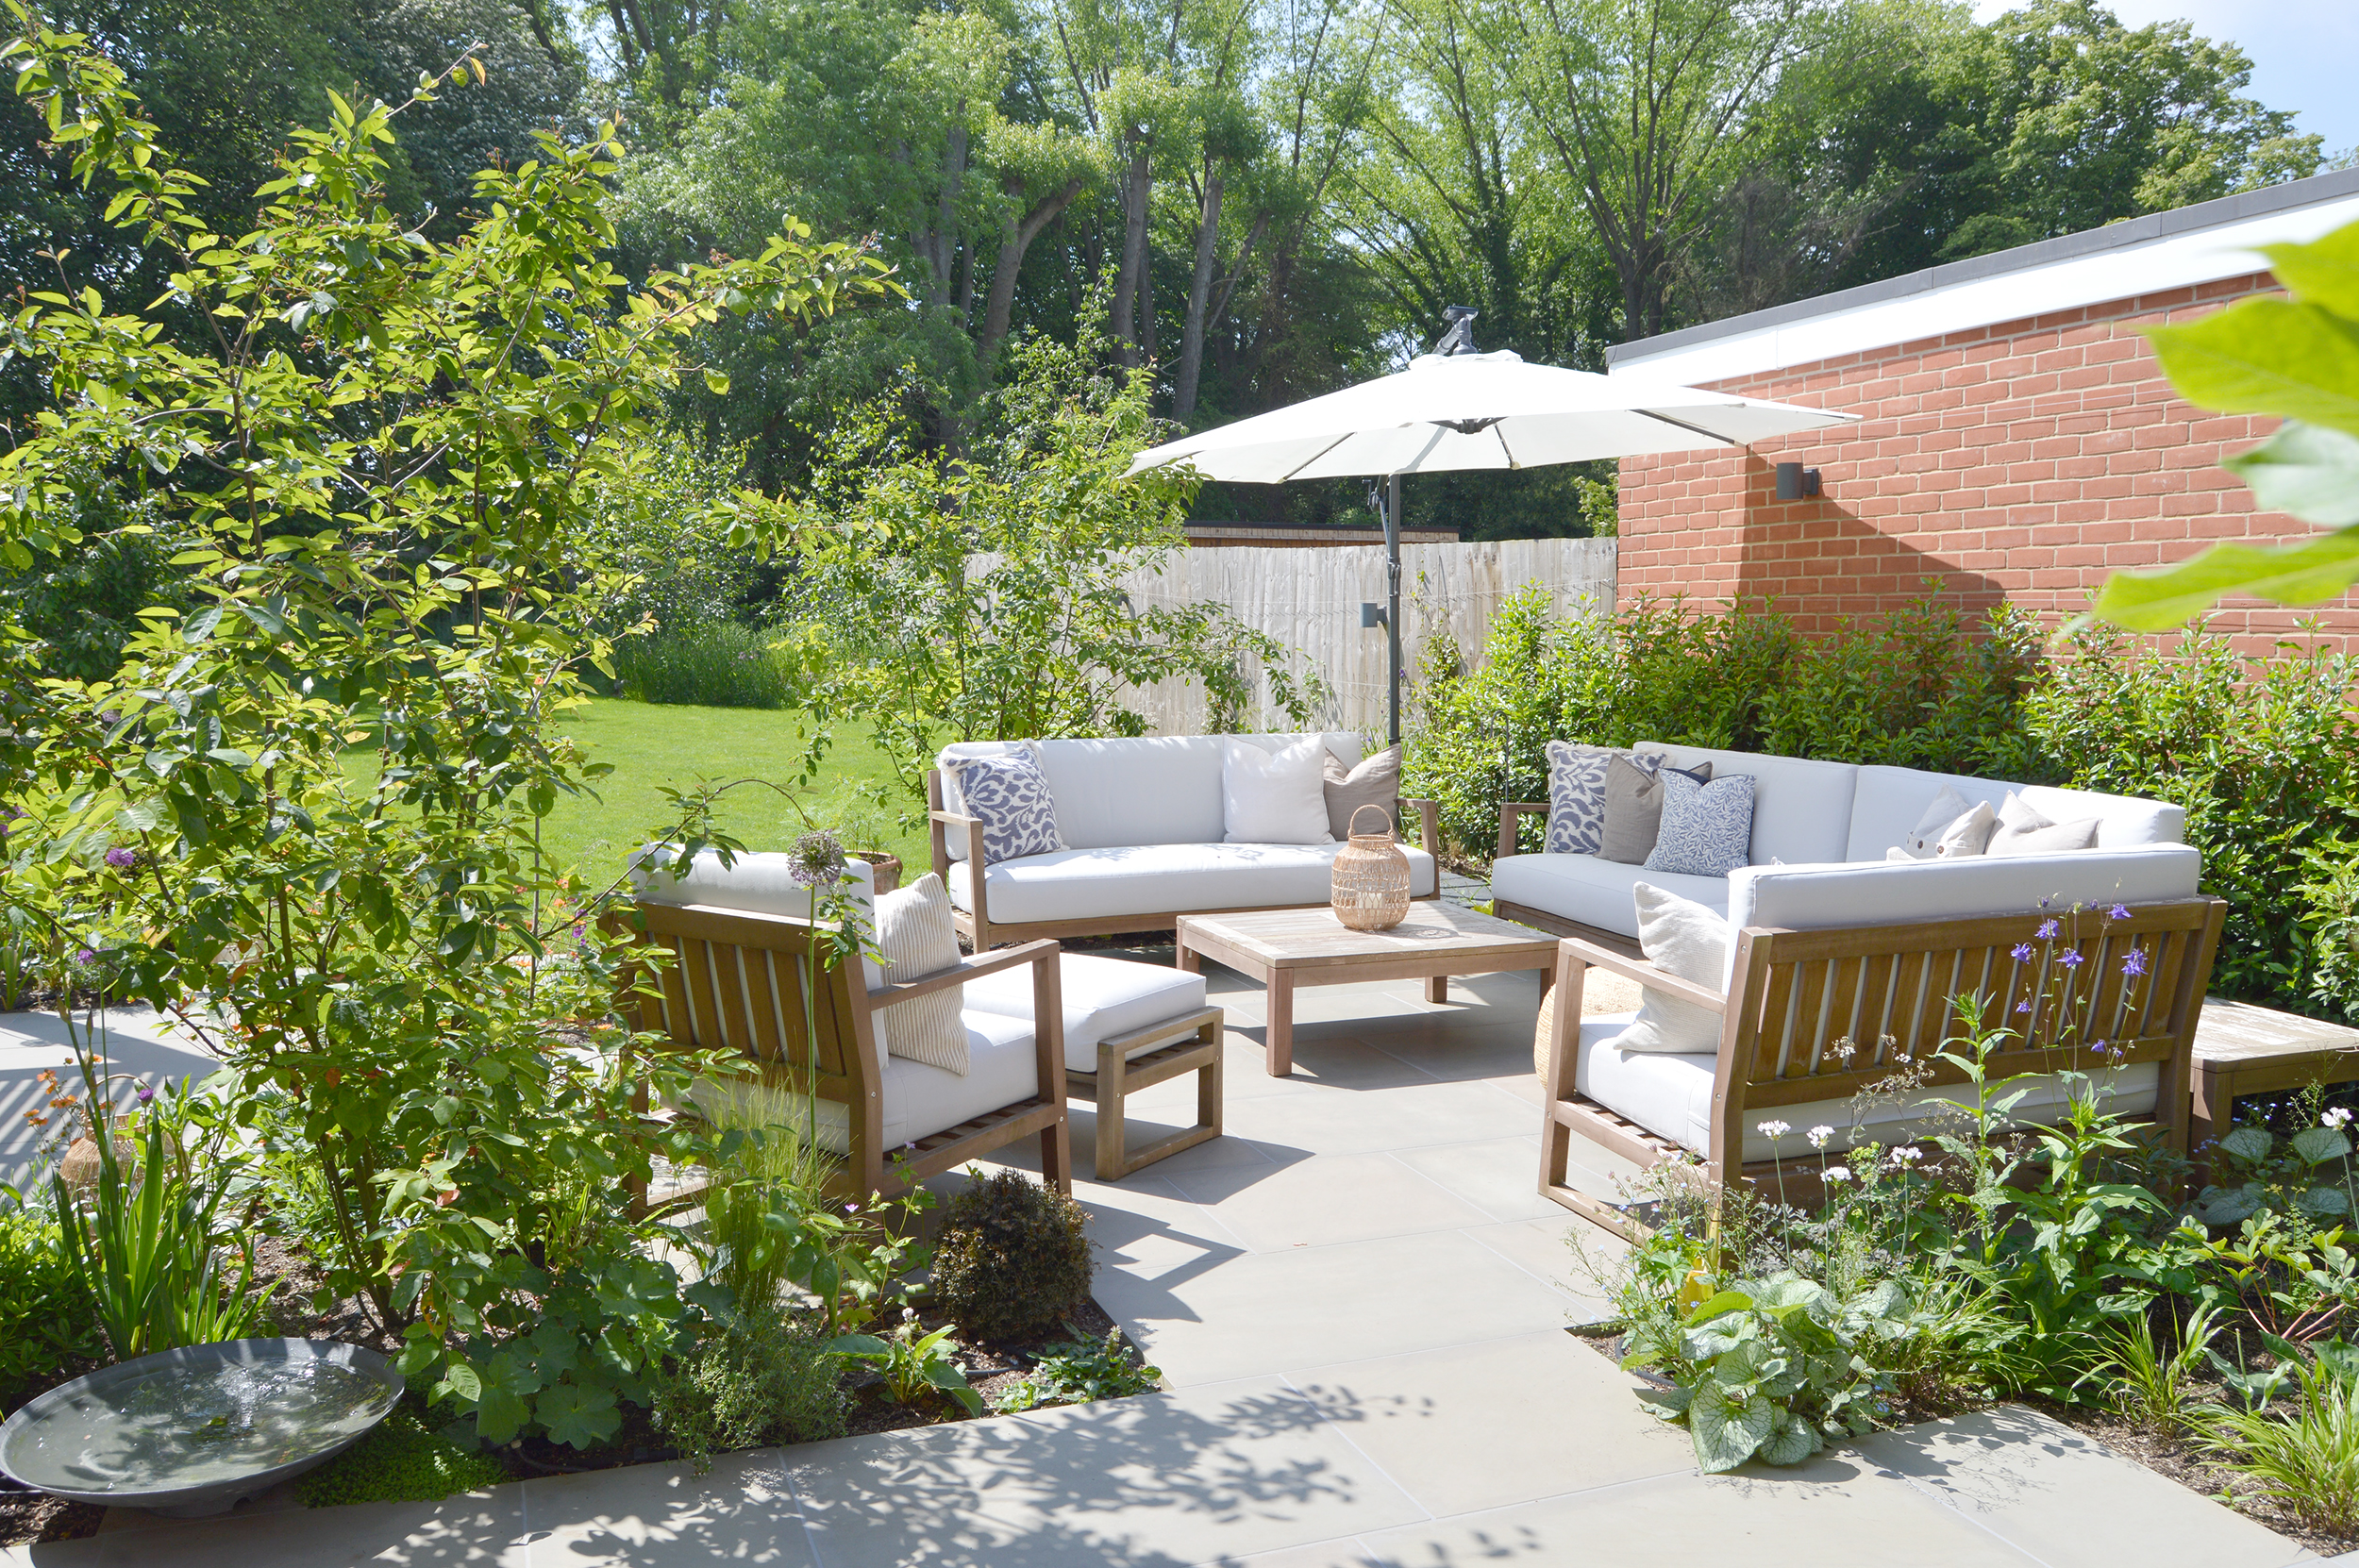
<point x="198" y="1430"/>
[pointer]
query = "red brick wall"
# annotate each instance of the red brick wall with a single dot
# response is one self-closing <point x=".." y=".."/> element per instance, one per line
<point x="2022" y="461"/>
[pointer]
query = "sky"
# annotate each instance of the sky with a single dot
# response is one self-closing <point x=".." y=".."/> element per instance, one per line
<point x="2302" y="52"/>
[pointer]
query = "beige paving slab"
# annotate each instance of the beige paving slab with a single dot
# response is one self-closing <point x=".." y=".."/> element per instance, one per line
<point x="1350" y="1198"/>
<point x="1542" y="1250"/>
<point x="1256" y="1312"/>
<point x="2065" y="1499"/>
<point x="476" y="1529"/>
<point x="1498" y="1176"/>
<point x="1158" y="1482"/>
<point x="1346" y="1553"/>
<point x="1367" y="1121"/>
<point x="1487" y="1426"/>
<point x="1833" y="1514"/>
<point x="656" y="1515"/>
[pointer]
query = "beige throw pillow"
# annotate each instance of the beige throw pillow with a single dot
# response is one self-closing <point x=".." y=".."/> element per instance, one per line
<point x="1633" y="805"/>
<point x="916" y="938"/>
<point x="1691" y="941"/>
<point x="1375" y="782"/>
<point x="2023" y="830"/>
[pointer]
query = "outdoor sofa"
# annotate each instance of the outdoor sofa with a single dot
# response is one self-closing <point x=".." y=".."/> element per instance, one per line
<point x="1144" y="833"/>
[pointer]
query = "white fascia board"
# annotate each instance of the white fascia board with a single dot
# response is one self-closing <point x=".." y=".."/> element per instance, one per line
<point x="2174" y="262"/>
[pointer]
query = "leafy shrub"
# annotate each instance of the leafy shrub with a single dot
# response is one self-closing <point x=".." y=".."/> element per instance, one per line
<point x="399" y="1462"/>
<point x="1013" y="1257"/>
<point x="1076" y="1374"/>
<point x="756" y="1380"/>
<point x="2309" y="1173"/>
<point x="45" y="1322"/>
<point x="913" y="1365"/>
<point x="2306" y="1458"/>
<point x="714" y="664"/>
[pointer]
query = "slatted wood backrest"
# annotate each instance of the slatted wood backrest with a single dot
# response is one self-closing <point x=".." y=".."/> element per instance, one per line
<point x="1819" y="1015"/>
<point x="731" y="980"/>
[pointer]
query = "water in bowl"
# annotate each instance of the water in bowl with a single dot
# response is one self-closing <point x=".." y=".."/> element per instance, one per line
<point x="188" y="1427"/>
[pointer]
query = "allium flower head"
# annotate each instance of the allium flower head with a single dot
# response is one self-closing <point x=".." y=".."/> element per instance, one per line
<point x="144" y="1093"/>
<point x="815" y="859"/>
<point x="2048" y="929"/>
<point x="1821" y="1136"/>
<point x="122" y="858"/>
<point x="2134" y="962"/>
<point x="1773" y="1130"/>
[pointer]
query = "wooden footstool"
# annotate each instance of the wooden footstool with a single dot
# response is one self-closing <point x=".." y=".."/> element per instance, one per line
<point x="1128" y="1026"/>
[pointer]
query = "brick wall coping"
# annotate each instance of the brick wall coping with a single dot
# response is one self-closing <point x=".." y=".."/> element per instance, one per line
<point x="2137" y="257"/>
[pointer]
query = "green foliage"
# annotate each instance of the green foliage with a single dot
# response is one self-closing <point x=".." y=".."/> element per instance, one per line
<point x="45" y="1324"/>
<point x="888" y="624"/>
<point x="754" y="1380"/>
<point x="2151" y="1384"/>
<point x="1013" y="1256"/>
<point x="712" y="664"/>
<point x="2292" y="1280"/>
<point x="666" y="522"/>
<point x="2295" y="357"/>
<point x="146" y="1247"/>
<point x="2309" y="1175"/>
<point x="376" y="470"/>
<point x="2306" y="1458"/>
<point x="1771" y="1369"/>
<point x="914" y="1366"/>
<point x="1076" y="1374"/>
<point x="399" y="1462"/>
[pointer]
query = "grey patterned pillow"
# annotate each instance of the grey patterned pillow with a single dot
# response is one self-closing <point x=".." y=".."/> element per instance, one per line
<point x="1011" y="794"/>
<point x="1707" y="829"/>
<point x="1577" y="796"/>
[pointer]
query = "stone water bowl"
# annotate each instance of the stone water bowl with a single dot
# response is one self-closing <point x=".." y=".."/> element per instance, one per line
<point x="198" y="1430"/>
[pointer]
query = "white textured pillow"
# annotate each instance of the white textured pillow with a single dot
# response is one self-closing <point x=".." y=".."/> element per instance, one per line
<point x="916" y="935"/>
<point x="1691" y="941"/>
<point x="2025" y="831"/>
<point x="1273" y="796"/>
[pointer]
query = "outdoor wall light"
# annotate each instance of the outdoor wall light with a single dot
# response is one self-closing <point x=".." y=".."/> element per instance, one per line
<point x="1795" y="481"/>
<point x="1371" y="614"/>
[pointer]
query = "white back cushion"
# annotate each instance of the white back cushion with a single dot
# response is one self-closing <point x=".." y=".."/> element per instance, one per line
<point x="1890" y="800"/>
<point x="1143" y="790"/>
<point x="1801" y="806"/>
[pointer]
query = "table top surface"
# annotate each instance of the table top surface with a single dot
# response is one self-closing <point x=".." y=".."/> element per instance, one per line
<point x="2239" y="1031"/>
<point x="1304" y="938"/>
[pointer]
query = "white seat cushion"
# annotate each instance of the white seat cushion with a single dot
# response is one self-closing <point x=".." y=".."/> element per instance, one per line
<point x="1805" y="898"/>
<point x="1103" y="998"/>
<point x="1168" y="879"/>
<point x="1671" y="1097"/>
<point x="1593" y="892"/>
<point x="1801" y="806"/>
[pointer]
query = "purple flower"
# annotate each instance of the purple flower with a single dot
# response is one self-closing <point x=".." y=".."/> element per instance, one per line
<point x="146" y="1093"/>
<point x="2134" y="962"/>
<point x="2024" y="1006"/>
<point x="2021" y="953"/>
<point x="2098" y="1046"/>
<point x="2119" y="912"/>
<point x="2048" y="929"/>
<point x="86" y="957"/>
<point x="2071" y="957"/>
<point x="815" y="859"/>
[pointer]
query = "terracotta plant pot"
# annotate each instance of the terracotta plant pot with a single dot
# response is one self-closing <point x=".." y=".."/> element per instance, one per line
<point x="887" y="868"/>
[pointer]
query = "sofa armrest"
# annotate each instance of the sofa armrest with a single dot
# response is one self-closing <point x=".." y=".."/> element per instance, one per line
<point x="1429" y="822"/>
<point x="979" y="894"/>
<point x="959" y="974"/>
<point x="1649" y="975"/>
<point x="1511" y="813"/>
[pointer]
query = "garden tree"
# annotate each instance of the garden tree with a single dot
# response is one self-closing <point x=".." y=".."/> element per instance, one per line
<point x="923" y="128"/>
<point x="376" y="467"/>
<point x="944" y="597"/>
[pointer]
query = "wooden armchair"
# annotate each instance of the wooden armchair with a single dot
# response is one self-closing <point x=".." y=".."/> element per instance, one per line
<point x="733" y="981"/>
<point x="1795" y="995"/>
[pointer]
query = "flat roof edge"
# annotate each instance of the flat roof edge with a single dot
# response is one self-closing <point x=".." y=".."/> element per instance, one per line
<point x="2240" y="208"/>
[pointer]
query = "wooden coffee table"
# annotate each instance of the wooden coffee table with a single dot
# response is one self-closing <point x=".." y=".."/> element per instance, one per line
<point x="1285" y="948"/>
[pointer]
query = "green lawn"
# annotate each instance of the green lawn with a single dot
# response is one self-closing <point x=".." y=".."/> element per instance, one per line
<point x="653" y="745"/>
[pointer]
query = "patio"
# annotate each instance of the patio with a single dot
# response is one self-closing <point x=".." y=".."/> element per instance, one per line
<point x="1360" y="1304"/>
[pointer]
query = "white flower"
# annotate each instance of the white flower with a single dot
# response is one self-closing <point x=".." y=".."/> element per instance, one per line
<point x="2337" y="1117"/>
<point x="1904" y="1158"/>
<point x="1839" y="1172"/>
<point x="1773" y="1130"/>
<point x="1821" y="1136"/>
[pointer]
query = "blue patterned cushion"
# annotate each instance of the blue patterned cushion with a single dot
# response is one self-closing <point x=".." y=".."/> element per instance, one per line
<point x="1575" y="797"/>
<point x="1707" y="829"/>
<point x="1010" y="794"/>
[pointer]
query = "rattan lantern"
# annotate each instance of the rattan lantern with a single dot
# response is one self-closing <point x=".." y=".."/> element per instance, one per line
<point x="1371" y="885"/>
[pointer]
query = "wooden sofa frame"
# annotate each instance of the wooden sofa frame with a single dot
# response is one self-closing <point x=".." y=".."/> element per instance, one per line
<point x="981" y="931"/>
<point x="728" y="980"/>
<point x="1795" y="996"/>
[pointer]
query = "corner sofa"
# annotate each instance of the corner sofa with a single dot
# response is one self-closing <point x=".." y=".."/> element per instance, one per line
<point x="1820" y="831"/>
<point x="1142" y="822"/>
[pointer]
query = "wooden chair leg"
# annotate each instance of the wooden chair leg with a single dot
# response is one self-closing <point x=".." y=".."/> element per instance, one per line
<point x="1208" y="1081"/>
<point x="1110" y="1090"/>
<point x="1056" y="1154"/>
